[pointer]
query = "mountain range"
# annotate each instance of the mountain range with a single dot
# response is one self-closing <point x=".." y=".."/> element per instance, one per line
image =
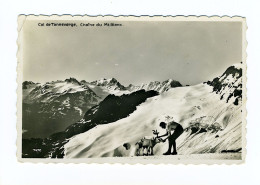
<point x="210" y="112"/>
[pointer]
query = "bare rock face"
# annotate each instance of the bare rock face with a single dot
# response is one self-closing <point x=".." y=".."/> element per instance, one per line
<point x="229" y="84"/>
<point x="73" y="80"/>
<point x="27" y="84"/>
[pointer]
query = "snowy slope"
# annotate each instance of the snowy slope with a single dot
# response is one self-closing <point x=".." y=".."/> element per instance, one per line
<point x="156" y="86"/>
<point x="212" y="124"/>
<point x="111" y="109"/>
<point x="181" y="104"/>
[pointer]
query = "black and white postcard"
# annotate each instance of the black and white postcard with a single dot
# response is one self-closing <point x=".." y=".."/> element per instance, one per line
<point x="128" y="89"/>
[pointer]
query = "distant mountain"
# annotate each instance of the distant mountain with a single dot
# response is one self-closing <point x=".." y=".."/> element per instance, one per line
<point x="51" y="107"/>
<point x="156" y="86"/>
<point x="104" y="87"/>
<point x="111" y="83"/>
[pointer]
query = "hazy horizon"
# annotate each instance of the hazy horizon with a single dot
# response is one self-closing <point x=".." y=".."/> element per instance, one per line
<point x="137" y="52"/>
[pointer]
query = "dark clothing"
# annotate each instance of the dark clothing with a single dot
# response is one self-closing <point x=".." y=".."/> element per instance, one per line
<point x="177" y="132"/>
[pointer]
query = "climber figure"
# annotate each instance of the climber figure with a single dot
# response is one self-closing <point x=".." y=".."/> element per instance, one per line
<point x="173" y="131"/>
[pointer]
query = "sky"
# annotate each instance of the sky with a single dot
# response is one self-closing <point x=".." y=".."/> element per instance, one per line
<point x="136" y="52"/>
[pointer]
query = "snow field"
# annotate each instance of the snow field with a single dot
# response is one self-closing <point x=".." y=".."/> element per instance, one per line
<point x="182" y="104"/>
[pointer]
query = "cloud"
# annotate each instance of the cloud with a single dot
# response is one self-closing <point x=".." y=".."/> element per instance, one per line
<point x="116" y="64"/>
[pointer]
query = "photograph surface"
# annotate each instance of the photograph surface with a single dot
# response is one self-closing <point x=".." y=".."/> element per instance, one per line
<point x="131" y="90"/>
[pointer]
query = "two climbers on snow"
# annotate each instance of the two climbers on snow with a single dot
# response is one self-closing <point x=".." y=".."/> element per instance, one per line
<point x="173" y="131"/>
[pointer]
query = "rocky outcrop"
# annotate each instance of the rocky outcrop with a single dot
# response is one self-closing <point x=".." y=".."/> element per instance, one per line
<point x="229" y="84"/>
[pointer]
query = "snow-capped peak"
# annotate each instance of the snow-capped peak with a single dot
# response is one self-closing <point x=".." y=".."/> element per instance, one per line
<point x="104" y="81"/>
<point x="156" y="85"/>
<point x="110" y="83"/>
<point x="72" y="80"/>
